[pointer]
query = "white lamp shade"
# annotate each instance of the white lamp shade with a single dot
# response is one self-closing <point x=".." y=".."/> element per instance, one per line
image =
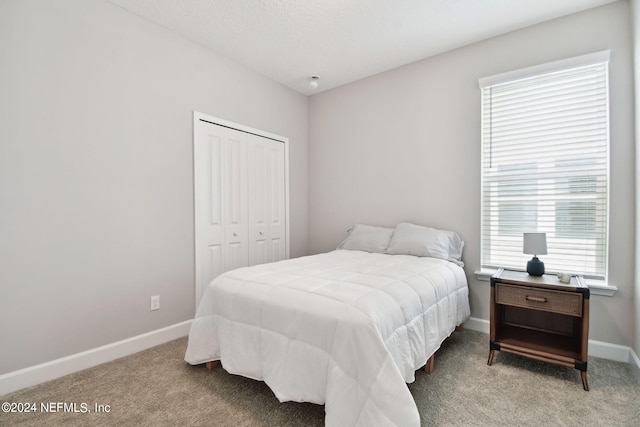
<point x="535" y="243"/>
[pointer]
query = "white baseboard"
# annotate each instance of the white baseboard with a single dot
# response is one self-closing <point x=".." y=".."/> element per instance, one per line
<point x="47" y="371"/>
<point x="478" y="325"/>
<point x="603" y="350"/>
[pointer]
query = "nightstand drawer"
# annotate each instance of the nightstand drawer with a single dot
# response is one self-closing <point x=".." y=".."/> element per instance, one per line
<point x="539" y="299"/>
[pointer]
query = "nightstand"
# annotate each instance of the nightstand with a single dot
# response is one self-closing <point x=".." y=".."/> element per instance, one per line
<point x="540" y="318"/>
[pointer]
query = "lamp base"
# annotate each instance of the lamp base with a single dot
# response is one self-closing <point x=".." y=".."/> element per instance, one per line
<point x="535" y="267"/>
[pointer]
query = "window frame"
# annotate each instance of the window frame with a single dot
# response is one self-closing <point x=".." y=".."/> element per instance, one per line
<point x="602" y="57"/>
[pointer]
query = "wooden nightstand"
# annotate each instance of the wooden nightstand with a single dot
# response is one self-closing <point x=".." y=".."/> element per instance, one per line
<point x="541" y="318"/>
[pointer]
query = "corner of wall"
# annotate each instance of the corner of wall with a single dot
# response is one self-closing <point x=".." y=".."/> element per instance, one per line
<point x="635" y="26"/>
<point x="634" y="361"/>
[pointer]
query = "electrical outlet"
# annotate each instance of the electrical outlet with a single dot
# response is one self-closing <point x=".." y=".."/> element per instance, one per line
<point x="155" y="302"/>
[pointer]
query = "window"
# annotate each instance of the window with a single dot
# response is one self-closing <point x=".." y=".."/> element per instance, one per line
<point x="545" y="165"/>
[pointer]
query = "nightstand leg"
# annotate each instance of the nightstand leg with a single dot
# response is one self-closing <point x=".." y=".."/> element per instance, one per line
<point x="585" y="384"/>
<point x="490" y="361"/>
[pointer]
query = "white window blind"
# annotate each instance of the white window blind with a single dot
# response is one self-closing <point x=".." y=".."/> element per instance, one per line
<point x="545" y="165"/>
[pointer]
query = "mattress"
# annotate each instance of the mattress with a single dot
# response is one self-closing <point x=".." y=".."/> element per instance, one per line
<point x="347" y="329"/>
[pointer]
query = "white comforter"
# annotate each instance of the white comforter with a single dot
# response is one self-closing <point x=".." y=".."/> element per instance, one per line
<point x="346" y="329"/>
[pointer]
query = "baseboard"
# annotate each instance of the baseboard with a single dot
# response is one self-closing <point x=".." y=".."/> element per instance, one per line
<point x="478" y="325"/>
<point x="47" y="371"/>
<point x="603" y="350"/>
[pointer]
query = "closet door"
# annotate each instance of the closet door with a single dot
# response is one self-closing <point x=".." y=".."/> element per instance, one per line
<point x="267" y="219"/>
<point x="240" y="196"/>
<point x="221" y="207"/>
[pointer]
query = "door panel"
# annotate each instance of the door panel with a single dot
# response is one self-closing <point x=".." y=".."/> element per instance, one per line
<point x="214" y="265"/>
<point x="214" y="147"/>
<point x="277" y="218"/>
<point x="267" y="199"/>
<point x="220" y="197"/>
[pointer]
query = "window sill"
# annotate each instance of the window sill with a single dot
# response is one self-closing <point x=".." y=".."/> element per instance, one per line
<point x="596" y="287"/>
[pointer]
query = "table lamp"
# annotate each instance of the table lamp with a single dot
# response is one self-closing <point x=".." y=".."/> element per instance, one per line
<point x="535" y="244"/>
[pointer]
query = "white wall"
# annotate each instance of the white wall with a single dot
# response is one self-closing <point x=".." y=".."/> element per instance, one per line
<point x="635" y="9"/>
<point x="96" y="188"/>
<point x="405" y="146"/>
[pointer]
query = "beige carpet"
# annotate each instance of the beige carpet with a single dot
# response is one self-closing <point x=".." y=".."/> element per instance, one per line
<point x="157" y="388"/>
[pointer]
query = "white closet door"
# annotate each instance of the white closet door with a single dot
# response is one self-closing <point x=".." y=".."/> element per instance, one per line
<point x="267" y="201"/>
<point x="241" y="198"/>
<point x="221" y="209"/>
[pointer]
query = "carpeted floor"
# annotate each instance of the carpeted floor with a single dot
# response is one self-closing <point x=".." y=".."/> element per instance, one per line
<point x="157" y="388"/>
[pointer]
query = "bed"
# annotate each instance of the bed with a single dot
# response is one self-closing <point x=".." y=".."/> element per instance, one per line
<point x="347" y="328"/>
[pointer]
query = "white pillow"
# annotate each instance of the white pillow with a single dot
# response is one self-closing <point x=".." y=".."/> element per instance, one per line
<point x="367" y="238"/>
<point x="411" y="239"/>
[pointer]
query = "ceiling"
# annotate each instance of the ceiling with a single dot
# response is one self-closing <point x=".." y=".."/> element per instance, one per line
<point x="342" y="41"/>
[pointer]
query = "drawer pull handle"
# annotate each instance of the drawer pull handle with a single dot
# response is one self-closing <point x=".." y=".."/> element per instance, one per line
<point x="535" y="299"/>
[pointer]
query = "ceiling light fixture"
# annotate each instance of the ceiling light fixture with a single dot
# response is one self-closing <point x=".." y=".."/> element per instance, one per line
<point x="313" y="84"/>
